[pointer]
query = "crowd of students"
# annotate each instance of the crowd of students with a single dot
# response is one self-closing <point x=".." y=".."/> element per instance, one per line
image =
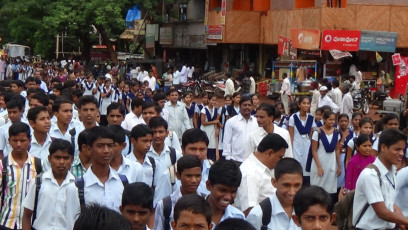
<point x="80" y="154"/>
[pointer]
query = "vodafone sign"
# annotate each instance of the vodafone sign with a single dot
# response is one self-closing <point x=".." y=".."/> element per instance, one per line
<point x="344" y="40"/>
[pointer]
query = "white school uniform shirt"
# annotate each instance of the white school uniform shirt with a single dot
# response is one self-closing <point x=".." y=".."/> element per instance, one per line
<point x="161" y="178"/>
<point x="106" y="101"/>
<point x="209" y="129"/>
<point x="402" y="190"/>
<point x="259" y="133"/>
<point x="329" y="102"/>
<point x="152" y="82"/>
<point x="172" y="140"/>
<point x="230" y="212"/>
<point x="55" y="131"/>
<point x="132" y="171"/>
<point x="108" y="194"/>
<point x="164" y="156"/>
<point x="236" y="137"/>
<point x="64" y="208"/>
<point x="178" y="118"/>
<point x="279" y="218"/>
<point x="86" y="85"/>
<point x="4" y="136"/>
<point x="131" y="120"/>
<point x="368" y="190"/>
<point x="41" y="152"/>
<point x="256" y="184"/>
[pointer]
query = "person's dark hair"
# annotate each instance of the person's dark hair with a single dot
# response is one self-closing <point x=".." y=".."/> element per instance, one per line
<point x="69" y="84"/>
<point x="244" y="99"/>
<point x="156" y="122"/>
<point x="159" y="96"/>
<point x="361" y="139"/>
<point x="52" y="97"/>
<point x="116" y="105"/>
<point x="194" y="135"/>
<point x="356" y="114"/>
<point x="353" y="77"/>
<point x="54" y="80"/>
<point x="341" y="116"/>
<point x="365" y="120"/>
<point x="63" y="145"/>
<point x="195" y="204"/>
<point x="277" y="114"/>
<point x="82" y="139"/>
<point x="188" y="162"/>
<point x="7" y="96"/>
<point x="58" y="87"/>
<point x="87" y="99"/>
<point x="19" y="127"/>
<point x="18" y="83"/>
<point x="293" y="107"/>
<point x="302" y="98"/>
<point x="30" y="79"/>
<point x="96" y="217"/>
<point x="268" y="108"/>
<point x="327" y="114"/>
<point x="388" y="117"/>
<point x="309" y="196"/>
<point x="42" y="98"/>
<point x="138" y="193"/>
<point x="172" y="91"/>
<point x="98" y="132"/>
<point x="287" y="166"/>
<point x="136" y="102"/>
<point x="225" y="173"/>
<point x="17" y="101"/>
<point x="234" y="224"/>
<point x="140" y="130"/>
<point x="34" y="91"/>
<point x="153" y="104"/>
<point x="390" y="137"/>
<point x="320" y="109"/>
<point x="57" y="104"/>
<point x="236" y="94"/>
<point x="272" y="141"/>
<point x="119" y="133"/>
<point x="33" y="112"/>
<point x="77" y="93"/>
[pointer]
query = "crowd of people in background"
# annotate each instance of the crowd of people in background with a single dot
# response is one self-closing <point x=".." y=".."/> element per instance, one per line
<point x="124" y="145"/>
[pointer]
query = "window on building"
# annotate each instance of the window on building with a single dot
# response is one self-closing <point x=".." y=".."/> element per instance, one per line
<point x="183" y="12"/>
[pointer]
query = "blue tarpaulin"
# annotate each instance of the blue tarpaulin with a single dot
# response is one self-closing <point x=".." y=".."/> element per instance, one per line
<point x="132" y="14"/>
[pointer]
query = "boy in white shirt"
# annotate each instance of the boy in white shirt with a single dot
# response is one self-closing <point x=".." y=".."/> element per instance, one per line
<point x="57" y="188"/>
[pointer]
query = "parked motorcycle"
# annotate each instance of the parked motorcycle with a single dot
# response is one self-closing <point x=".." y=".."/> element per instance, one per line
<point x="360" y="100"/>
<point x="220" y="88"/>
<point x="194" y="86"/>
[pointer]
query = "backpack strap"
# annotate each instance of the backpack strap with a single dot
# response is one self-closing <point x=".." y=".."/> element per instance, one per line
<point x="166" y="212"/>
<point x="173" y="157"/>
<point x="153" y="162"/>
<point x="370" y="166"/>
<point x="38" y="165"/>
<point x="266" y="207"/>
<point x="130" y="144"/>
<point x="124" y="180"/>
<point x="171" y="135"/>
<point x="72" y="132"/>
<point x="80" y="184"/>
<point x="4" y="162"/>
<point x="38" y="181"/>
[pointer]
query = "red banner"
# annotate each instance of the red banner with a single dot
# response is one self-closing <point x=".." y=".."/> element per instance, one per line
<point x="306" y="39"/>
<point x="284" y="45"/>
<point x="343" y="40"/>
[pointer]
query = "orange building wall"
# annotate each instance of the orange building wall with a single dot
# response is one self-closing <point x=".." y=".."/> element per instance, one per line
<point x="262" y="5"/>
<point x="215" y="4"/>
<point x="241" y="5"/>
<point x="304" y="3"/>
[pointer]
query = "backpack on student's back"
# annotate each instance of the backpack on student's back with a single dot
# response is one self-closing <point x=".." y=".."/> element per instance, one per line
<point x="80" y="184"/>
<point x="344" y="207"/>
<point x="266" y="207"/>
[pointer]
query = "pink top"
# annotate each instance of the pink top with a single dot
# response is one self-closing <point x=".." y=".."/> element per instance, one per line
<point x="357" y="163"/>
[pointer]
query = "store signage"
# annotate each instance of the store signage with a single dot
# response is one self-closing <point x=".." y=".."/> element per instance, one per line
<point x="166" y="36"/>
<point x="207" y="6"/>
<point x="344" y="40"/>
<point x="283" y="46"/>
<point x="306" y="39"/>
<point x="396" y="59"/>
<point x="378" y="41"/>
<point x="223" y="11"/>
<point x="214" y="32"/>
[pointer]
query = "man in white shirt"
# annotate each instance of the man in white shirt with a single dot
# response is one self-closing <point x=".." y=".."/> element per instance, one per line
<point x="178" y="117"/>
<point x="337" y="94"/>
<point x="183" y="74"/>
<point x="285" y="92"/>
<point x="229" y="85"/>
<point x="135" y="116"/>
<point x="375" y="189"/>
<point x="256" y="172"/>
<point x="326" y="101"/>
<point x="359" y="78"/>
<point x="253" y="85"/>
<point x="37" y="74"/>
<point x="134" y="73"/>
<point x="151" y="79"/>
<point x="265" y="117"/>
<point x="236" y="132"/>
<point x="142" y="74"/>
<point x="347" y="102"/>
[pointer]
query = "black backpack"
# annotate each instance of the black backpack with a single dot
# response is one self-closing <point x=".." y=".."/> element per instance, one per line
<point x="266" y="207"/>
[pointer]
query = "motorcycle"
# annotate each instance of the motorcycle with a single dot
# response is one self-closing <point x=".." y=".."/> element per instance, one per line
<point x="220" y="88"/>
<point x="360" y="100"/>
<point x="194" y="86"/>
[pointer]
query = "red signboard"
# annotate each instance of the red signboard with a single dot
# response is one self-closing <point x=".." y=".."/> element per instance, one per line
<point x="284" y="45"/>
<point x="214" y="32"/>
<point x="344" y="40"/>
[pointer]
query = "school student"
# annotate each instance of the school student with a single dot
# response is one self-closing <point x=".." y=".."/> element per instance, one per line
<point x="366" y="128"/>
<point x="135" y="116"/>
<point x="107" y="97"/>
<point x="17" y="169"/>
<point x="199" y="107"/>
<point x="325" y="167"/>
<point x="390" y="121"/>
<point x="223" y="182"/>
<point x="256" y="172"/>
<point x="313" y="209"/>
<point x="137" y="205"/>
<point x="119" y="163"/>
<point x="192" y="211"/>
<point x="210" y="125"/>
<point x="101" y="184"/>
<point x="318" y="117"/>
<point x="159" y="150"/>
<point x="91" y="216"/>
<point x="84" y="159"/>
<point x="300" y="127"/>
<point x="222" y="117"/>
<point x="355" y="121"/>
<point x="346" y="135"/>
<point x="189" y="173"/>
<point x="279" y="207"/>
<point x="62" y="109"/>
<point x="154" y="173"/>
<point x="234" y="108"/>
<point x="376" y="186"/>
<point x="88" y="86"/>
<point x="234" y="224"/>
<point x="178" y="117"/>
<point x="39" y="120"/>
<point x="190" y="106"/>
<point x="57" y="188"/>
